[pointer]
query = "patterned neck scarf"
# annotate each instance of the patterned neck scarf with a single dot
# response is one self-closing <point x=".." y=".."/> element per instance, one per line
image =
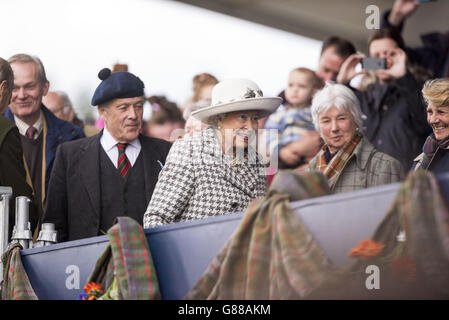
<point x="430" y="147"/>
<point x="332" y="168"/>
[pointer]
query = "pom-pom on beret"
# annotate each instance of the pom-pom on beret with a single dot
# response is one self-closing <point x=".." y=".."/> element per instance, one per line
<point x="104" y="73"/>
<point x="122" y="84"/>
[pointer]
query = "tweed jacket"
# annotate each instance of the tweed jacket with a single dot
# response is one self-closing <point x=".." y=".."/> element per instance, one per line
<point x="365" y="168"/>
<point x="199" y="181"/>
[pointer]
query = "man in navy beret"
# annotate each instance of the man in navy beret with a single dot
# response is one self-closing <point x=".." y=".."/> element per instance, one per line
<point x="110" y="174"/>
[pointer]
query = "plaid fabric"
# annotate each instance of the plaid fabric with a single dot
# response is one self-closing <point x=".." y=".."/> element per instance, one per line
<point x="333" y="169"/>
<point x="271" y="255"/>
<point x="128" y="259"/>
<point x="415" y="261"/>
<point x="16" y="285"/>
<point x="366" y="168"/>
<point x="419" y="212"/>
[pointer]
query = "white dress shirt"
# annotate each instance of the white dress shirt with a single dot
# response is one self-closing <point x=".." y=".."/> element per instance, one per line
<point x="109" y="145"/>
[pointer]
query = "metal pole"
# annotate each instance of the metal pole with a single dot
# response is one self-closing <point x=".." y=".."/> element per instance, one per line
<point x="47" y="235"/>
<point x="5" y="196"/>
<point x="22" y="233"/>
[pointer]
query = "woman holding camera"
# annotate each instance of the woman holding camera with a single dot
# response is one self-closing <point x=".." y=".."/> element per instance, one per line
<point x="395" y="120"/>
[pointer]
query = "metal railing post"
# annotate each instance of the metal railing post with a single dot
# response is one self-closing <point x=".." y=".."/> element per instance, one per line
<point x="22" y="231"/>
<point x="5" y="196"/>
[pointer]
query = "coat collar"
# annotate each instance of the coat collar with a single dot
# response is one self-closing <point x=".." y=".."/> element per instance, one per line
<point x="362" y="154"/>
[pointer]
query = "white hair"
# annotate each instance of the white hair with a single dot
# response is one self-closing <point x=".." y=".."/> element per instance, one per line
<point x="67" y="104"/>
<point x="339" y="96"/>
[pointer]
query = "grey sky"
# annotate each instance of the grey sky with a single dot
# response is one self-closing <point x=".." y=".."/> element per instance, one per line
<point x="165" y="43"/>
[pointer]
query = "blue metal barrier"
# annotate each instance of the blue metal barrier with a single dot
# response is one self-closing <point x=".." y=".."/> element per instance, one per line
<point x="60" y="271"/>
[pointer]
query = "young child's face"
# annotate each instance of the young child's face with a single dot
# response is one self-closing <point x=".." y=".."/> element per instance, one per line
<point x="299" y="89"/>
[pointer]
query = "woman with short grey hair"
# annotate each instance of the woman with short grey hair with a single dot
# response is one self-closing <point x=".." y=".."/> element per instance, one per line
<point x="348" y="160"/>
<point x="342" y="98"/>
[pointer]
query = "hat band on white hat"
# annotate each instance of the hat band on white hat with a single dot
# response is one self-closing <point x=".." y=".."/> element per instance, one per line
<point x="236" y="95"/>
<point x="249" y="94"/>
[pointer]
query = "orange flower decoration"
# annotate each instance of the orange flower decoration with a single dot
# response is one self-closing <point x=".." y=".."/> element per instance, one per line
<point x="366" y="248"/>
<point x="93" y="287"/>
<point x="404" y="268"/>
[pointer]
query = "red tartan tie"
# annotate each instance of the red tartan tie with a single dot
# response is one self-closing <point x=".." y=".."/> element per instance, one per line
<point x="123" y="163"/>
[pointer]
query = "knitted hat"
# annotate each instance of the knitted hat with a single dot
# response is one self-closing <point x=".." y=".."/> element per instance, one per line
<point x="122" y="84"/>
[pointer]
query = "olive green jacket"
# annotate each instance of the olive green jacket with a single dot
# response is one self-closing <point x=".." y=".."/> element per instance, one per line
<point x="12" y="170"/>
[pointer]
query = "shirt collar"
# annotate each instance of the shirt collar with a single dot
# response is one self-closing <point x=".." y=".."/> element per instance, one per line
<point x="23" y="127"/>
<point x="109" y="142"/>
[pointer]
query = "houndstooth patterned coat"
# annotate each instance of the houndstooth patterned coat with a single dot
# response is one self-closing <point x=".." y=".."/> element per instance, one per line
<point x="199" y="181"/>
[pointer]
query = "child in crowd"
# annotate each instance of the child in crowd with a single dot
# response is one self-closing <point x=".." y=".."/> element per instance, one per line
<point x="203" y="84"/>
<point x="297" y="141"/>
<point x="166" y="121"/>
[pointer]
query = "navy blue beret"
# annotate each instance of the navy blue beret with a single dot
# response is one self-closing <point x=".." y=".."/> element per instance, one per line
<point x="120" y="84"/>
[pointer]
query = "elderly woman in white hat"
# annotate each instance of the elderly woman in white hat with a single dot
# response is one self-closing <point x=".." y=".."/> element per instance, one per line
<point x="348" y="160"/>
<point x="218" y="170"/>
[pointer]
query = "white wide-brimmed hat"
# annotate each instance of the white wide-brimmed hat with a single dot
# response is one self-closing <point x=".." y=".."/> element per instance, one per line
<point x="237" y="95"/>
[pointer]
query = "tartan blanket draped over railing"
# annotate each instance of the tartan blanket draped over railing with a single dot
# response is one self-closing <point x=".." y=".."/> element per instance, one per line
<point x="126" y="267"/>
<point x="272" y="256"/>
<point x="16" y="285"/>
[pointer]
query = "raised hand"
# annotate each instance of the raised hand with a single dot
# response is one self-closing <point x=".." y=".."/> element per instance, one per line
<point x="347" y="70"/>
<point x="398" y="66"/>
<point x="402" y="9"/>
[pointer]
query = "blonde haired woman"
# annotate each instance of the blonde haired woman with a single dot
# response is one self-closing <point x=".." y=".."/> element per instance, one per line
<point x="435" y="156"/>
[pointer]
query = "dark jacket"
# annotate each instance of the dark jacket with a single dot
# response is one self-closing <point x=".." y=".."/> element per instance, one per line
<point x="396" y="118"/>
<point x="433" y="55"/>
<point x="58" y="132"/>
<point x="74" y="195"/>
<point x="12" y="170"/>
<point x="439" y="162"/>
